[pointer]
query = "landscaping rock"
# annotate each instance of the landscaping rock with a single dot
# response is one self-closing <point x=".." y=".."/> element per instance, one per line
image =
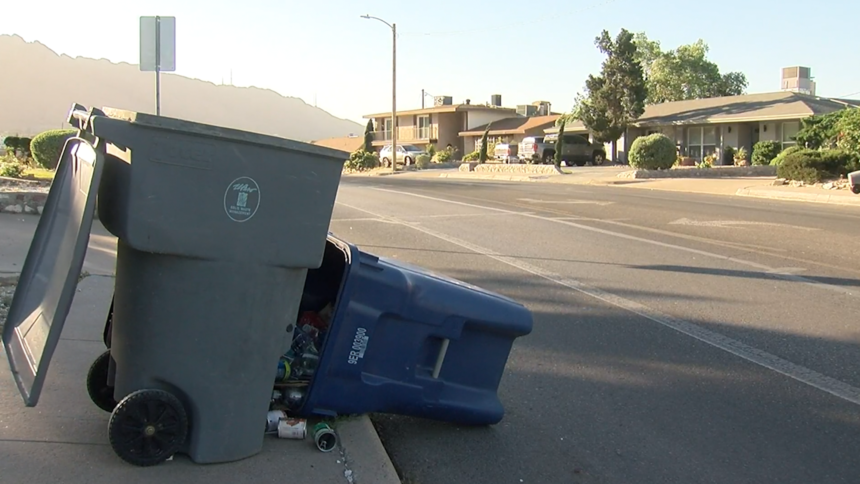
<point x="714" y="172"/>
<point x="779" y="182"/>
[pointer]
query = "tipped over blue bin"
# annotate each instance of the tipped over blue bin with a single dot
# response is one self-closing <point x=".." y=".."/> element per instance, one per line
<point x="405" y="341"/>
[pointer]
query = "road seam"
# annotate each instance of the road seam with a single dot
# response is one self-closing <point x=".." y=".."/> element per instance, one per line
<point x="754" y="355"/>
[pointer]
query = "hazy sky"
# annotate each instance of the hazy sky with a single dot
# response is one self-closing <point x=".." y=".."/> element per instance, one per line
<point x="524" y="50"/>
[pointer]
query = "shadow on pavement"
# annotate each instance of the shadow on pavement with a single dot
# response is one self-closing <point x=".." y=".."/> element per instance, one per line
<point x="833" y="281"/>
<point x="600" y="395"/>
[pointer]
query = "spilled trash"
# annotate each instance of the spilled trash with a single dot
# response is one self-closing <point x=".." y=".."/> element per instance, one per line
<point x="296" y="369"/>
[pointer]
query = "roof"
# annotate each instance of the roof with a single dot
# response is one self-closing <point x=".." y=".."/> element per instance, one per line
<point x="771" y="106"/>
<point x="448" y="108"/>
<point x="344" y="143"/>
<point x="513" y="125"/>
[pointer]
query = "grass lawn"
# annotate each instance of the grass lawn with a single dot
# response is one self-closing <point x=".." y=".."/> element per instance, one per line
<point x="39" y="174"/>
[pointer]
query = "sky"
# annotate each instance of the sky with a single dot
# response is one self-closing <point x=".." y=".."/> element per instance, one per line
<point x="323" y="52"/>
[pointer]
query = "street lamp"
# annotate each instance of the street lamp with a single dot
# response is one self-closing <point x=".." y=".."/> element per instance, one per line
<point x="393" y="28"/>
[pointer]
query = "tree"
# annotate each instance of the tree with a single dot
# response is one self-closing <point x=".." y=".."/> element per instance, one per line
<point x="684" y="73"/>
<point x="368" y="136"/>
<point x="819" y="132"/>
<point x="559" y="145"/>
<point x="483" y="154"/>
<point x="616" y="98"/>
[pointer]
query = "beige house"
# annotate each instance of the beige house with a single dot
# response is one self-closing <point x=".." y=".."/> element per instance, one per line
<point x="438" y="125"/>
<point x="508" y="130"/>
<point x="703" y="127"/>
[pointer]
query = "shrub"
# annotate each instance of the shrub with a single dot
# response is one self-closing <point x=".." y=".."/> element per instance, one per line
<point x="848" y="129"/>
<point x="728" y="155"/>
<point x="653" y="152"/>
<point x="811" y="166"/>
<point x="473" y="156"/>
<point x="422" y="161"/>
<point x="361" y="160"/>
<point x="11" y="144"/>
<point x="48" y="146"/>
<point x="443" y="156"/>
<point x="764" y="152"/>
<point x="431" y="150"/>
<point x="11" y="169"/>
<point x="740" y="154"/>
<point x="780" y="158"/>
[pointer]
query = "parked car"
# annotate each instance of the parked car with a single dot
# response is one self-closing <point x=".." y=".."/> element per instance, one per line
<point x="506" y="152"/>
<point x="577" y="150"/>
<point x="406" y="154"/>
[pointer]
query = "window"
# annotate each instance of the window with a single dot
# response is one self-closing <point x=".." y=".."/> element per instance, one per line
<point x="423" y="127"/>
<point x="789" y="131"/>
<point x="386" y="129"/>
<point x="701" y="142"/>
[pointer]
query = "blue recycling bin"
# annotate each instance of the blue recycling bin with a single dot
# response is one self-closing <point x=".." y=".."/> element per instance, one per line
<point x="403" y="340"/>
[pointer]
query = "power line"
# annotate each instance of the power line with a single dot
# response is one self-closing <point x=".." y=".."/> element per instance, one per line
<point x="849" y="95"/>
<point x="495" y="28"/>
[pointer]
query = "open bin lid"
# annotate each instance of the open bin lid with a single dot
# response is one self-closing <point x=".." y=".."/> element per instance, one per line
<point x="53" y="265"/>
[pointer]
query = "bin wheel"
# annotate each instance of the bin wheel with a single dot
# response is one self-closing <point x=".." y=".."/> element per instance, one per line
<point x="147" y="427"/>
<point x="97" y="383"/>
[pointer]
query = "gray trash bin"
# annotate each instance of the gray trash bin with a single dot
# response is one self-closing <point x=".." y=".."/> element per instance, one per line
<point x="217" y="229"/>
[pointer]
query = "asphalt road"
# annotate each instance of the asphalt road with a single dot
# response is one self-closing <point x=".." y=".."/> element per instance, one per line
<point x="678" y="338"/>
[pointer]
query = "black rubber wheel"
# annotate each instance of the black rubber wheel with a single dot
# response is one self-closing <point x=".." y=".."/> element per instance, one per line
<point x="386" y="162"/>
<point x="855" y="189"/>
<point x="407" y="161"/>
<point x="597" y="159"/>
<point x="579" y="163"/>
<point x="97" y="383"/>
<point x="147" y="427"/>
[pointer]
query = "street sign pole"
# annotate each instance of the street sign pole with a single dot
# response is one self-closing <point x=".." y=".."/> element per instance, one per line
<point x="157" y="66"/>
<point x="158" y="50"/>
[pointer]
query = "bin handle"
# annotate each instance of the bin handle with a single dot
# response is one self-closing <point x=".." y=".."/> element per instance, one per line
<point x="79" y="117"/>
<point x="440" y="358"/>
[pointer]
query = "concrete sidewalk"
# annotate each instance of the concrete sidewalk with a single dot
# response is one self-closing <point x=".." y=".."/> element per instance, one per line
<point x="64" y="438"/>
<point x="754" y="187"/>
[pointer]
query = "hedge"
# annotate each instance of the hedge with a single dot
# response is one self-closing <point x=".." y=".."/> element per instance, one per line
<point x="765" y="151"/>
<point x="653" y="152"/>
<point x="812" y="166"/>
<point x="48" y="146"/>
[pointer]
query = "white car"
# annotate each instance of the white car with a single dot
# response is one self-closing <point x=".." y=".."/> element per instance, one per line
<point x="406" y="154"/>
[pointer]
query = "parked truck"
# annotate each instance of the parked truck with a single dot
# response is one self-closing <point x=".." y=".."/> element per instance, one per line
<point x="577" y="150"/>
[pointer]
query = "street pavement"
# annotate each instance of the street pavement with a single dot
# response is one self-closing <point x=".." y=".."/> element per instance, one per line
<point x="678" y="338"/>
<point x="64" y="438"/>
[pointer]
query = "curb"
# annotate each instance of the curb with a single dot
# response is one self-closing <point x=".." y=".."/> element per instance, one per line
<point x="23" y="202"/>
<point x="799" y="197"/>
<point x="365" y="458"/>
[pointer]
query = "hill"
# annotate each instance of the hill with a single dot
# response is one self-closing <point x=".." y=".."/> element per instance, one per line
<point x="39" y="86"/>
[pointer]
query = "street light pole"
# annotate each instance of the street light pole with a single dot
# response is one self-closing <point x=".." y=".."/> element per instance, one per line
<point x="393" y="28"/>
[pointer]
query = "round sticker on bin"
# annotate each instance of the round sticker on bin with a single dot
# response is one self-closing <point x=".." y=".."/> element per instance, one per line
<point x="242" y="199"/>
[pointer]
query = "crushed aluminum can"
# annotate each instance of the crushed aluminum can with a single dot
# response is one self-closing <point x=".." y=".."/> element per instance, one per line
<point x="293" y="397"/>
<point x="273" y="418"/>
<point x="292" y="428"/>
<point x="325" y="437"/>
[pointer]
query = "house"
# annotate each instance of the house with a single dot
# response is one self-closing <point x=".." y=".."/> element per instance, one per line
<point x="702" y="127"/>
<point x="439" y="125"/>
<point x="344" y="143"/>
<point x="508" y="130"/>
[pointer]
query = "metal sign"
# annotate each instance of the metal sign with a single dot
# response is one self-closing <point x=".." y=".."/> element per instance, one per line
<point x="158" y="44"/>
